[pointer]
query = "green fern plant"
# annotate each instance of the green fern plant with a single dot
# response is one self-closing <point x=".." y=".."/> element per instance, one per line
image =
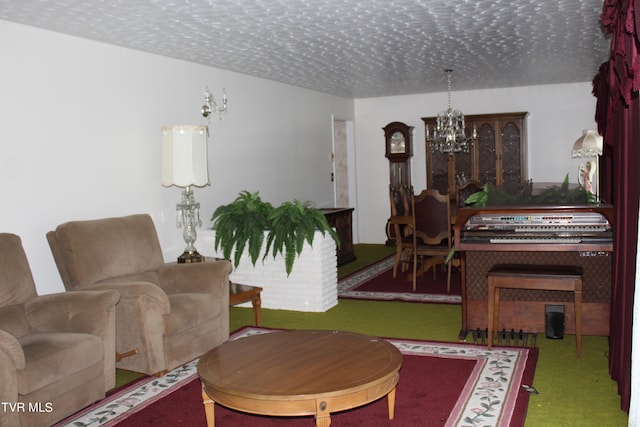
<point x="291" y="224"/>
<point x="241" y="224"/>
<point x="556" y="194"/>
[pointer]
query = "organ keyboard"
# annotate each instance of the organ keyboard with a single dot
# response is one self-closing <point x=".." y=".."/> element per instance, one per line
<point x="530" y="228"/>
<point x="548" y="235"/>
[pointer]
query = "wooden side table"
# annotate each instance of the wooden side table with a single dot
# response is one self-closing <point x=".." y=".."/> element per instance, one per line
<point x="244" y="293"/>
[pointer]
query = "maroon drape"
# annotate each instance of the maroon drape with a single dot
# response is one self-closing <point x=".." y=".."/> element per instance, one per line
<point x="618" y="116"/>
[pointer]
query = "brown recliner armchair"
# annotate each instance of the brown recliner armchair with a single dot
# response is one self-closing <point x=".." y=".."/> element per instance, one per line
<point x="168" y="314"/>
<point x="57" y="351"/>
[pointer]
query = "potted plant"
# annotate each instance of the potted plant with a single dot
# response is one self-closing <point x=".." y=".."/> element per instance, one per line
<point x="293" y="223"/>
<point x="556" y="194"/>
<point x="242" y="224"/>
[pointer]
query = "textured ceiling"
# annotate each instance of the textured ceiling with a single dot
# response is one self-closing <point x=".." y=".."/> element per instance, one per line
<point x="352" y="48"/>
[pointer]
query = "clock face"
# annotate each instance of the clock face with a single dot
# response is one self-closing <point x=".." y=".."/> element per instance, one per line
<point x="397" y="143"/>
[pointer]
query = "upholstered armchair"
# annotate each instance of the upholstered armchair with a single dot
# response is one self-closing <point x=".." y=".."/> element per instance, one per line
<point x="57" y="351"/>
<point x="168" y="313"/>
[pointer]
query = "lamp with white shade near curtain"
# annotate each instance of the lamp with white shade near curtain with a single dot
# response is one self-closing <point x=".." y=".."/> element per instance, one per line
<point x="588" y="145"/>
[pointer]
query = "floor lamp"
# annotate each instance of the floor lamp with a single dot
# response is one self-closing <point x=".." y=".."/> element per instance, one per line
<point x="184" y="164"/>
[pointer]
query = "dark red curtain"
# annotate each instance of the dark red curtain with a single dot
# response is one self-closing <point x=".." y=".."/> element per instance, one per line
<point x="618" y="116"/>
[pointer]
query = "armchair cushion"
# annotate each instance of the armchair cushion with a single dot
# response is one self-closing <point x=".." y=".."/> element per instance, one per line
<point x="53" y="356"/>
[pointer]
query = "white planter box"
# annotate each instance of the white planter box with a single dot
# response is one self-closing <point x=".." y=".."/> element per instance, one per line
<point x="311" y="286"/>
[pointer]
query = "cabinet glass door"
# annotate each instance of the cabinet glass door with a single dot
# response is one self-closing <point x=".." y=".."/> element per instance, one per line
<point x="511" y="155"/>
<point x="487" y="162"/>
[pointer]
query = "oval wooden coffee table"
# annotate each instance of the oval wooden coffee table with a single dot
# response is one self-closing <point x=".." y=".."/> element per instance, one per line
<point x="294" y="373"/>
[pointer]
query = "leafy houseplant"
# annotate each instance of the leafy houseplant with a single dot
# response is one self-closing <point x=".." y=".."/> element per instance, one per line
<point x="557" y="194"/>
<point x="291" y="224"/>
<point x="242" y="223"/>
<point x="239" y="223"/>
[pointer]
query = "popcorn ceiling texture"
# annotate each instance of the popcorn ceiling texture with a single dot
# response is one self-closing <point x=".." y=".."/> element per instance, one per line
<point x="351" y="48"/>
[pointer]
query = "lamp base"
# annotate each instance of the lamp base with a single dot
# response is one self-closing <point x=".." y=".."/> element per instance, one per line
<point x="190" y="257"/>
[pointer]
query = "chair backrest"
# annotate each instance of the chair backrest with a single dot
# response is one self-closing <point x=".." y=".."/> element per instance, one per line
<point x="16" y="281"/>
<point x="87" y="252"/>
<point x="431" y="214"/>
<point x="400" y="199"/>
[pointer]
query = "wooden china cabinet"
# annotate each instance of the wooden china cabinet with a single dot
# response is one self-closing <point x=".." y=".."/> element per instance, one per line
<point x="398" y="150"/>
<point x="498" y="156"/>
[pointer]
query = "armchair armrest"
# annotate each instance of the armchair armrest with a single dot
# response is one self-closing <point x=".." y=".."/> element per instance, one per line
<point x="11" y="359"/>
<point x="10" y="345"/>
<point x="78" y="311"/>
<point x="206" y="277"/>
<point x="155" y="298"/>
<point x="140" y="321"/>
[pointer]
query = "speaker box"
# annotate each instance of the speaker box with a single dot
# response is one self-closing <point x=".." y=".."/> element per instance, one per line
<point x="554" y="321"/>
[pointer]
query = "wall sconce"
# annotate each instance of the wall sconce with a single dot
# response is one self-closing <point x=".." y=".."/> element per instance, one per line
<point x="210" y="105"/>
<point x="184" y="164"/>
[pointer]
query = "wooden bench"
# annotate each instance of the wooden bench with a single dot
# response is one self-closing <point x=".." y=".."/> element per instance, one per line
<point x="535" y="277"/>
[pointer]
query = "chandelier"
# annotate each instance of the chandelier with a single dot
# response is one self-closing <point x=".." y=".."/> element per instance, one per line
<point x="449" y="134"/>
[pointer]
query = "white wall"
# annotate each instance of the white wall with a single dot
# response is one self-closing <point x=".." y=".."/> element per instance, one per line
<point x="80" y="125"/>
<point x="81" y="137"/>
<point x="557" y="116"/>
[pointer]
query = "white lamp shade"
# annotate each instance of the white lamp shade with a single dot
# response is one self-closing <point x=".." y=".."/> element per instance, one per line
<point x="588" y="145"/>
<point x="184" y="156"/>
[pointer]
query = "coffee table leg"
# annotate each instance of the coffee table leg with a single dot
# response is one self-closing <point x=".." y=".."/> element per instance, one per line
<point x="391" y="403"/>
<point x="323" y="414"/>
<point x="208" y="409"/>
<point x="323" y="421"/>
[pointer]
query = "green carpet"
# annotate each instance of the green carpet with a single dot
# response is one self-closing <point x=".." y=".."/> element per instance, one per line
<point x="366" y="254"/>
<point x="573" y="392"/>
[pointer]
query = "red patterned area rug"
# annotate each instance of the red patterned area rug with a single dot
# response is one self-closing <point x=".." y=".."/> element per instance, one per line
<point x="377" y="283"/>
<point x="441" y="384"/>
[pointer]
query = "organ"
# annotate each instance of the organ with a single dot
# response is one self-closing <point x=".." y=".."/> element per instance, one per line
<point x="580" y="235"/>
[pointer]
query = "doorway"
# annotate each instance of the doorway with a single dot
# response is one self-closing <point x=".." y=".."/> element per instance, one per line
<point x="344" y="169"/>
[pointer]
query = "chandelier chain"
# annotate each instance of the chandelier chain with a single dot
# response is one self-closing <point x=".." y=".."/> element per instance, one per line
<point x="449" y="86"/>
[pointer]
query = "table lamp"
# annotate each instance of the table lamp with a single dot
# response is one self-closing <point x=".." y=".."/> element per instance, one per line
<point x="184" y="164"/>
<point x="588" y="145"/>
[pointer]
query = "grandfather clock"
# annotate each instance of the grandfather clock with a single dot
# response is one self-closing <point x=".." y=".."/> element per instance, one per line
<point x="398" y="149"/>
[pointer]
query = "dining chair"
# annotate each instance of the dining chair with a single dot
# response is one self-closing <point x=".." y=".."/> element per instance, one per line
<point x="431" y="233"/>
<point x="401" y="223"/>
